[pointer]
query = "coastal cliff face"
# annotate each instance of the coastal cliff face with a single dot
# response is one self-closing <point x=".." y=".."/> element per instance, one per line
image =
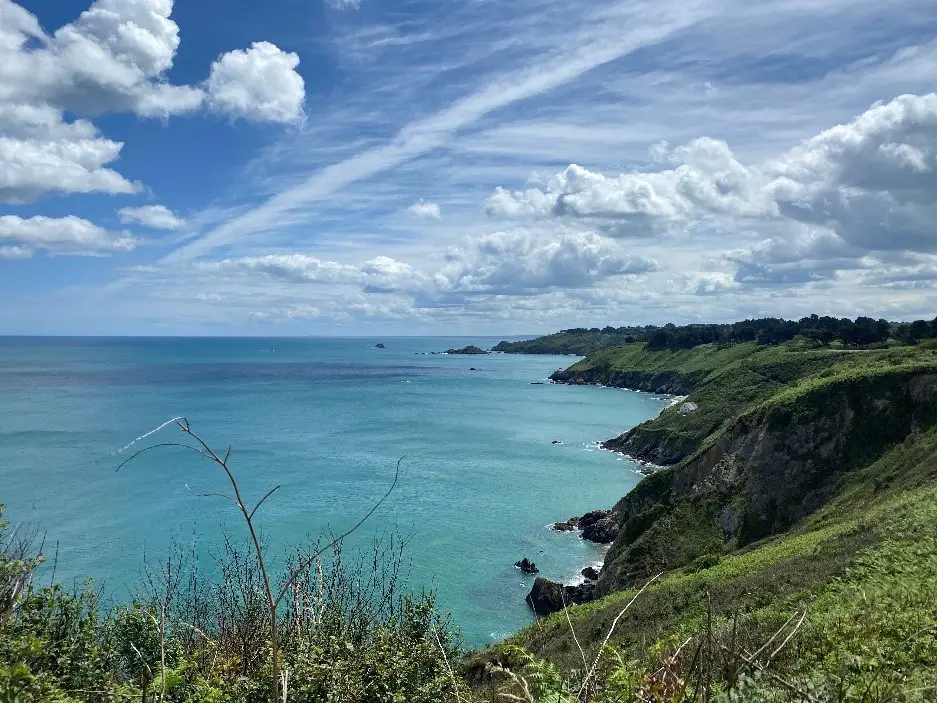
<point x="766" y="470"/>
<point x="667" y="382"/>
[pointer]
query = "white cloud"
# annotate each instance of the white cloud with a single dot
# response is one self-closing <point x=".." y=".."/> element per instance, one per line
<point x="63" y="235"/>
<point x="872" y="180"/>
<point x="344" y="4"/>
<point x="155" y="216"/>
<point x="260" y="84"/>
<point x="381" y="272"/>
<point x="424" y="208"/>
<point x="422" y="135"/>
<point x="854" y="190"/>
<point x="41" y="153"/>
<point x="112" y="58"/>
<point x="15" y="252"/>
<point x="708" y="180"/>
<point x="519" y="261"/>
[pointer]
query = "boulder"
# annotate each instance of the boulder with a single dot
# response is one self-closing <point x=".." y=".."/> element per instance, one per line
<point x="567" y="525"/>
<point x="379" y="345"/>
<point x="471" y="349"/>
<point x="556" y="441"/>
<point x="550" y="597"/>
<point x="593" y="517"/>
<point x="590" y="573"/>
<point x="527" y="566"/>
<point x="603" y="531"/>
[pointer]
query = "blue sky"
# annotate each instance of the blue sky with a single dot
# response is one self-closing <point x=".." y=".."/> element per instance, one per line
<point x="488" y="167"/>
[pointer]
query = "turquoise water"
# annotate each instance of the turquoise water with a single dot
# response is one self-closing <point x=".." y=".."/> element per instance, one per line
<point x="327" y="419"/>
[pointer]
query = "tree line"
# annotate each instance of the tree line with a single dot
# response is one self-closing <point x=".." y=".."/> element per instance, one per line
<point x="861" y="333"/>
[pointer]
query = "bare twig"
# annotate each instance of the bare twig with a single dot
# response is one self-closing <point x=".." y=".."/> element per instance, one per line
<point x="261" y="501"/>
<point x="585" y="664"/>
<point x="273" y="601"/>
<point x="445" y="658"/>
<point x="304" y="563"/>
<point x="598" y="656"/>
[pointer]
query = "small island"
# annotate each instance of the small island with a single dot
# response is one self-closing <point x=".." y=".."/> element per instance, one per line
<point x="467" y="350"/>
<point x="379" y="345"/>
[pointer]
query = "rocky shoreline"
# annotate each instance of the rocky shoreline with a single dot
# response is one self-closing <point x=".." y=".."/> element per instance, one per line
<point x="599" y="526"/>
<point x="546" y="596"/>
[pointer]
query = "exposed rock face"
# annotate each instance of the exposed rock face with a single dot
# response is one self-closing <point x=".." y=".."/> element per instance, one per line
<point x="550" y="597"/>
<point x="379" y="345"/>
<point x="602" y="531"/>
<point x="659" y="449"/>
<point x="590" y="573"/>
<point x="670" y="382"/>
<point x="527" y="566"/>
<point x="471" y="349"/>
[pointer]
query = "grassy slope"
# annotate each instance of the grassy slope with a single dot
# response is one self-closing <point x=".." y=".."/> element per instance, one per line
<point x="722" y="382"/>
<point x="864" y="564"/>
<point x="864" y="568"/>
<point x="580" y="344"/>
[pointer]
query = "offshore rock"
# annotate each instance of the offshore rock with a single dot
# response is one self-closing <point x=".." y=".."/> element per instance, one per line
<point x="471" y="349"/>
<point x="527" y="566"/>
<point x="590" y="573"/>
<point x="550" y="597"/>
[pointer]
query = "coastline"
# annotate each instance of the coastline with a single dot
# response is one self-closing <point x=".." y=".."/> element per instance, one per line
<point x="642" y="467"/>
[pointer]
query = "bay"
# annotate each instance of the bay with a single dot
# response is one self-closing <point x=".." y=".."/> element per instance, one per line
<point x="327" y="420"/>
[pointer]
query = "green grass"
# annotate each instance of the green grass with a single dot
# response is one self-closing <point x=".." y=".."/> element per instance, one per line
<point x="867" y="583"/>
<point x="860" y="560"/>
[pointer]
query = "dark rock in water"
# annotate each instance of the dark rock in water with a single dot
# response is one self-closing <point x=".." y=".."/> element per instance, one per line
<point x="603" y="531"/>
<point x="527" y="566"/>
<point x="471" y="349"/>
<point x="472" y="368"/>
<point x="536" y="383"/>
<point x="567" y="525"/>
<point x="379" y="345"/>
<point x="590" y="573"/>
<point x="597" y="526"/>
<point x="549" y="597"/>
<point x="556" y="441"/>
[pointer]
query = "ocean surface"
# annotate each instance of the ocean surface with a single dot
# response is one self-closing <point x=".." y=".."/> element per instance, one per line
<point x="327" y="420"/>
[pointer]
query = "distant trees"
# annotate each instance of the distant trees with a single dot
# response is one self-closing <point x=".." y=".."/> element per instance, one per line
<point x="818" y="331"/>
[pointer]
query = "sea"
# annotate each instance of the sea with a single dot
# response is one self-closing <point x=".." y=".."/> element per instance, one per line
<point x="489" y="457"/>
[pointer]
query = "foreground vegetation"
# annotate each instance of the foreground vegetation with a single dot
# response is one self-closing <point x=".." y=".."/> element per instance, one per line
<point x="788" y="552"/>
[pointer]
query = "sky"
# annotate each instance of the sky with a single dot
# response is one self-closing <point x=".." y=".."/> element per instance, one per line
<point x="346" y="167"/>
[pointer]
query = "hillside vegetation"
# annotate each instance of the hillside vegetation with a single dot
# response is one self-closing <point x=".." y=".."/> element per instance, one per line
<point x="789" y="550"/>
<point x="861" y="333"/>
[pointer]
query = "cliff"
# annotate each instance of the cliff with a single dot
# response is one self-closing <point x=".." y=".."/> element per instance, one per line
<point x="801" y="509"/>
<point x="768" y="468"/>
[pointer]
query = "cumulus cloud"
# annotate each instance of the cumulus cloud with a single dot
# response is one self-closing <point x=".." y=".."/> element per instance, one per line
<point x="40" y="153"/>
<point x="872" y="181"/>
<point x="260" y="84"/>
<point x="515" y="263"/>
<point x="424" y="208"/>
<point x="62" y="235"/>
<point x="113" y="57"/>
<point x="154" y="216"/>
<point x="520" y="261"/>
<point x="379" y="273"/>
<point x="854" y="190"/>
<point x="708" y="180"/>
